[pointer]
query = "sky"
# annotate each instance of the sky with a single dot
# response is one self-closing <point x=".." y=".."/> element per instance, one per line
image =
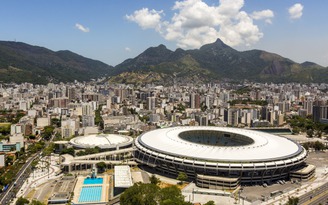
<point x="114" y="30"/>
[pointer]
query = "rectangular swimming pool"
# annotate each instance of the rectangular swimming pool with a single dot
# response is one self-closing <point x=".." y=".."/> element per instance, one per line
<point x="93" y="181"/>
<point x="90" y="194"/>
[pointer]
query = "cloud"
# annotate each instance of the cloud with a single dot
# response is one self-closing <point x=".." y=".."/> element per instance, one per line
<point x="265" y="15"/>
<point x="82" y="28"/>
<point x="146" y="18"/>
<point x="296" y="11"/>
<point x="195" y="23"/>
<point x="127" y="49"/>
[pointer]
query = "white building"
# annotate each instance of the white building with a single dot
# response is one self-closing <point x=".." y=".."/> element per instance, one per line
<point x="43" y="121"/>
<point x="2" y="160"/>
<point x="68" y="127"/>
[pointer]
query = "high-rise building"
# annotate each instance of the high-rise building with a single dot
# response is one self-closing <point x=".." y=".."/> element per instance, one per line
<point x="151" y="103"/>
<point x="231" y="116"/>
<point x="320" y="112"/>
<point x="87" y="109"/>
<point x="282" y="107"/>
<point x="122" y="93"/>
<point x="88" y="121"/>
<point x="224" y="96"/>
<point x="208" y="101"/>
<point x="91" y="97"/>
<point x="194" y="100"/>
<point x="68" y="127"/>
<point x="59" y="102"/>
<point x="109" y="103"/>
<point x="265" y="113"/>
<point x="280" y="119"/>
<point x="71" y="93"/>
<point x="308" y="106"/>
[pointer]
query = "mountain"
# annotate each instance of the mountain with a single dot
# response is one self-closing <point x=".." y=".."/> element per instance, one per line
<point x="20" y="62"/>
<point x="215" y="61"/>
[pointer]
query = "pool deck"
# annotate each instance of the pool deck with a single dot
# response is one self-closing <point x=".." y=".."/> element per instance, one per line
<point x="79" y="185"/>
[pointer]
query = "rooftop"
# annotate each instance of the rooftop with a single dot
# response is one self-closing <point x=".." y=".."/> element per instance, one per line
<point x="122" y="178"/>
<point x="262" y="147"/>
<point x="104" y="141"/>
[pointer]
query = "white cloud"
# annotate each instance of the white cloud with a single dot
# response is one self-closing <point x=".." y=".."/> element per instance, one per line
<point x="296" y="11"/>
<point x="265" y="15"/>
<point x="127" y="49"/>
<point x="196" y="23"/>
<point x="82" y="28"/>
<point x="146" y="18"/>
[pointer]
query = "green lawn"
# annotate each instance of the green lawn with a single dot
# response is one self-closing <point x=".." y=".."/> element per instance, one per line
<point x="4" y="124"/>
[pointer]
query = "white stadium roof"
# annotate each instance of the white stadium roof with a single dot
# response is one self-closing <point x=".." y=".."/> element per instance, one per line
<point x="265" y="147"/>
<point x="104" y="141"/>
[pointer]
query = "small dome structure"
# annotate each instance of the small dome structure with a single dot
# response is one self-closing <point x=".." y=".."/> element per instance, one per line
<point x="103" y="141"/>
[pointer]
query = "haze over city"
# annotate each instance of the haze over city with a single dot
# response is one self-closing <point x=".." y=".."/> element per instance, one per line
<point x="112" y="31"/>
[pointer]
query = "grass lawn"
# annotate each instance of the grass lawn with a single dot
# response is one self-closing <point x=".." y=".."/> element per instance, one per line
<point x="4" y="124"/>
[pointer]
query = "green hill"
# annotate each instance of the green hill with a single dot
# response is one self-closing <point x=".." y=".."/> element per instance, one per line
<point x="20" y="62"/>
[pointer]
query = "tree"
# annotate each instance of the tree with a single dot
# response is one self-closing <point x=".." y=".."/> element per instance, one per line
<point x="210" y="203"/>
<point x="140" y="194"/>
<point x="10" y="159"/>
<point x="318" y="133"/>
<point x="182" y="176"/>
<point x="144" y="118"/>
<point x="154" y="180"/>
<point x="5" y="129"/>
<point x="181" y="108"/>
<point x="318" y="146"/>
<point x="56" y="122"/>
<point x="32" y="137"/>
<point x="306" y="146"/>
<point x="292" y="201"/>
<point x="203" y="107"/>
<point x="68" y="151"/>
<point x="132" y="111"/>
<point x="33" y="148"/>
<point x="101" y="166"/>
<point x="48" y="130"/>
<point x="171" y="195"/>
<point x="22" y="201"/>
<point x="48" y="150"/>
<point x="310" y="133"/>
<point x="98" y="118"/>
<point x="36" y="202"/>
<point x="151" y="194"/>
<point x="296" y="130"/>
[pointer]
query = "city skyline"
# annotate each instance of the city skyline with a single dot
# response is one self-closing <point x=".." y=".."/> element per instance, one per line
<point x="111" y="31"/>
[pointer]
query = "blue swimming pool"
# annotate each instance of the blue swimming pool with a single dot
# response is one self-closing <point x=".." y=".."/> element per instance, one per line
<point x="90" y="194"/>
<point x="93" y="181"/>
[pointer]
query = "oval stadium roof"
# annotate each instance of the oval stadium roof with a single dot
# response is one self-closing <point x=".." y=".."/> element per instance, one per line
<point x="266" y="147"/>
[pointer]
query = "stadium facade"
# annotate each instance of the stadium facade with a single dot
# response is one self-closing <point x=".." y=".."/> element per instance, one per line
<point x="222" y="157"/>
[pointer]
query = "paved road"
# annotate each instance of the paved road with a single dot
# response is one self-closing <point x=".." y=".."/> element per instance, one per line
<point x="320" y="199"/>
<point x="315" y="196"/>
<point x="20" y="178"/>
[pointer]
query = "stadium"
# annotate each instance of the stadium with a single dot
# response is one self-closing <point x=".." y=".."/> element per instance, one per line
<point x="217" y="157"/>
<point x="103" y="141"/>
